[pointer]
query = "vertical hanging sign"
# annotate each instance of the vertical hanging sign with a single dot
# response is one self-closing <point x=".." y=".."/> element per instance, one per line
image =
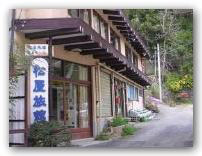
<point x="39" y="90"/>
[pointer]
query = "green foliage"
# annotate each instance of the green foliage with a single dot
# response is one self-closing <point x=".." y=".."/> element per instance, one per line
<point x="152" y="107"/>
<point x="175" y="83"/>
<point x="172" y="83"/>
<point x="48" y="134"/>
<point x="102" y="136"/>
<point x="118" y="121"/>
<point x="128" y="130"/>
<point x="143" y="119"/>
<point x="155" y="90"/>
<point x="172" y="29"/>
<point x="18" y="64"/>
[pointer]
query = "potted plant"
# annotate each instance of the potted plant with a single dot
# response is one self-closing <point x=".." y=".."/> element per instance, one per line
<point x="117" y="125"/>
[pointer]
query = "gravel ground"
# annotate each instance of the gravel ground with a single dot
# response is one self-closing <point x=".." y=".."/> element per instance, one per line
<point x="172" y="129"/>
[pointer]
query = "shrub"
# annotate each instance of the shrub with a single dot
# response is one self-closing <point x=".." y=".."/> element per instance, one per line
<point x="155" y="90"/>
<point x="175" y="83"/>
<point x="152" y="107"/>
<point x="48" y="134"/>
<point x="143" y="119"/>
<point x="128" y="130"/>
<point x="118" y="121"/>
<point x="102" y="136"/>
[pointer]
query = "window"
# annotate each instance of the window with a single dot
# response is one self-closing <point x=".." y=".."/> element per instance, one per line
<point x="135" y="60"/>
<point x="73" y="12"/>
<point x="57" y="67"/>
<point x="132" y="93"/>
<point x="128" y="53"/>
<point x="75" y="71"/>
<point x="141" y="92"/>
<point x="104" y="32"/>
<point x="119" y="97"/>
<point x="100" y="26"/>
<point x="81" y="13"/>
<point x="96" y="23"/>
<point x="85" y="15"/>
<point x="114" y="39"/>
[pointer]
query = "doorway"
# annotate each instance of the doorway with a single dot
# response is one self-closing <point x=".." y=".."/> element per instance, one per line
<point x="71" y="105"/>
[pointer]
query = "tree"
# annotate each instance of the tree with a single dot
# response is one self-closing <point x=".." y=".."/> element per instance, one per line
<point x="172" y="29"/>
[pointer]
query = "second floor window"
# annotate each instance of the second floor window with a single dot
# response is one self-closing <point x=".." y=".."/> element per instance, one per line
<point x="100" y="26"/>
<point x="73" y="12"/>
<point x="81" y="13"/>
<point x="96" y="23"/>
<point x="114" y="40"/>
<point x="135" y="60"/>
<point x="103" y="28"/>
<point x="128" y="53"/>
<point x="85" y="15"/>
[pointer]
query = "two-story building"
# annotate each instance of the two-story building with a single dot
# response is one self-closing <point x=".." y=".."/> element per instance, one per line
<point x="95" y="68"/>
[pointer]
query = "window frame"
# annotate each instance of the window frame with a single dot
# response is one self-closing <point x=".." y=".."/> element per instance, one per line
<point x="100" y="19"/>
<point x="133" y="93"/>
<point x="113" y="33"/>
<point x="78" y="13"/>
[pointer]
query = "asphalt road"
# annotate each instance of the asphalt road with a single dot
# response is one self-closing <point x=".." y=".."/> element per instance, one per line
<point x="173" y="129"/>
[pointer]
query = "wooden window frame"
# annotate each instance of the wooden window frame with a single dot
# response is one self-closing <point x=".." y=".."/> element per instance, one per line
<point x="111" y="85"/>
<point x="100" y="19"/>
<point x="135" y="93"/>
<point x="69" y="12"/>
<point x="87" y="84"/>
<point x="116" y="37"/>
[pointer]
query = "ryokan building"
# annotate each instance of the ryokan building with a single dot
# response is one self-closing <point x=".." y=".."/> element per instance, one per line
<point x="94" y="69"/>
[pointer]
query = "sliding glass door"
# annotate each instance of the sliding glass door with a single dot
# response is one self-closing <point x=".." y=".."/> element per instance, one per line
<point x="71" y="106"/>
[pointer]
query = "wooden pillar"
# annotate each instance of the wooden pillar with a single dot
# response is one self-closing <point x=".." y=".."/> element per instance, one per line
<point x="49" y="77"/>
<point x="113" y="94"/>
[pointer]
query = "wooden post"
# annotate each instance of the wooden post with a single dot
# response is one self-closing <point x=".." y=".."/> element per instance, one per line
<point x="49" y="76"/>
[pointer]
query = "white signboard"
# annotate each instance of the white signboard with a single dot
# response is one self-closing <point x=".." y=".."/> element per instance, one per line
<point x="36" y="49"/>
<point x="39" y="90"/>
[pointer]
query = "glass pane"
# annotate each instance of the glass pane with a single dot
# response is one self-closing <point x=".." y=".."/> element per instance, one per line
<point x="75" y="71"/>
<point x="20" y="87"/>
<point x="114" y="40"/>
<point x="119" y="98"/>
<point x="57" y="67"/>
<point x="73" y="12"/>
<point x="83" y="109"/>
<point x="103" y="29"/>
<point x="57" y="99"/>
<point x="86" y="16"/>
<point x="72" y="106"/>
<point x="16" y="125"/>
<point x="96" y="25"/>
<point x="16" y="138"/>
<point x="16" y="109"/>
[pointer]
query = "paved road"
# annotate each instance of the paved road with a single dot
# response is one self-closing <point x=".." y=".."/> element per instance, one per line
<point x="174" y="128"/>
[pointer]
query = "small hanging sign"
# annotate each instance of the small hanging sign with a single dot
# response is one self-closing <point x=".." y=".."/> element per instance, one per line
<point x="36" y="49"/>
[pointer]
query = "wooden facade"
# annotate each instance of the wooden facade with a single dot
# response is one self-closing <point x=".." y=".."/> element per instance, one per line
<point x="110" y="72"/>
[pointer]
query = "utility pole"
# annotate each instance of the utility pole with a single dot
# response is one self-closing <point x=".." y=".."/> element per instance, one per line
<point x="155" y="63"/>
<point x="159" y="72"/>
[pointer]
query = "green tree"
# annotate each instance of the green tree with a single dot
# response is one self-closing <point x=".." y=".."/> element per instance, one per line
<point x="172" y="29"/>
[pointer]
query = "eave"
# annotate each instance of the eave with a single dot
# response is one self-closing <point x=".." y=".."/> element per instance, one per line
<point x="123" y="24"/>
<point x="74" y="34"/>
